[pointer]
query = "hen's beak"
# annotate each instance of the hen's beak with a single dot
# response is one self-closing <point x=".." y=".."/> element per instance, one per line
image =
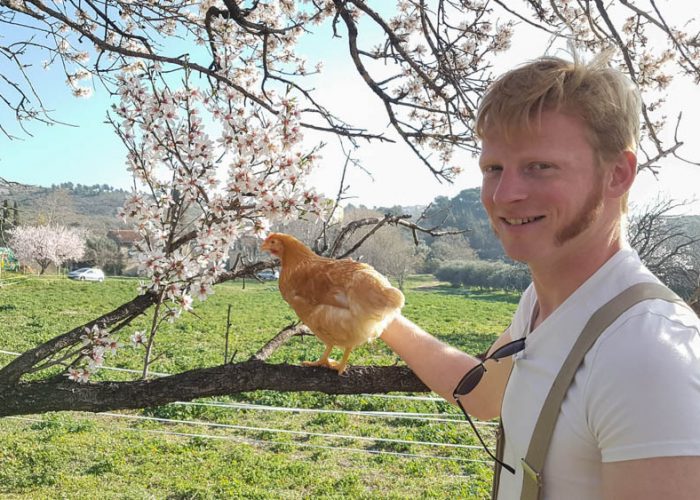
<point x="265" y="246"/>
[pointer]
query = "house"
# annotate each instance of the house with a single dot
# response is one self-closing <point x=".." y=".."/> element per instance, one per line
<point x="126" y="240"/>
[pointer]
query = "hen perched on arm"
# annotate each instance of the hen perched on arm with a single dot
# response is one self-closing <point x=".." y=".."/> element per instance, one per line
<point x="343" y="302"/>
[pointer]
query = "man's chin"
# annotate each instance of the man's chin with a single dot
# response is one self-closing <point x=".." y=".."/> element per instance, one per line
<point x="523" y="259"/>
<point x="517" y="254"/>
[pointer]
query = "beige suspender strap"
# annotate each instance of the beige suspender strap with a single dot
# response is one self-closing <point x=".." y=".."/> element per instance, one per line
<point x="497" y="468"/>
<point x="533" y="463"/>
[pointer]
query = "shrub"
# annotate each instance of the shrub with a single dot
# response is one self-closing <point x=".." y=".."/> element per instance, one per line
<point x="485" y="274"/>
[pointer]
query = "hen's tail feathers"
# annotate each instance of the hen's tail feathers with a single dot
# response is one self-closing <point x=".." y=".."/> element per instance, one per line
<point x="375" y="296"/>
<point x="395" y="298"/>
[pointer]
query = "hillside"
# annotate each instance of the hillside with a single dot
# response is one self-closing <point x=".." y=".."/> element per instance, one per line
<point x="91" y="207"/>
<point x="95" y="208"/>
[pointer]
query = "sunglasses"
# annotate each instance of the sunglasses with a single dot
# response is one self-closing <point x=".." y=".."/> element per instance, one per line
<point x="472" y="378"/>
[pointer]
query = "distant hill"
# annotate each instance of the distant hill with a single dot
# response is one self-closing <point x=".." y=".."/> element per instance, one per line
<point x="91" y="207"/>
<point x="95" y="208"/>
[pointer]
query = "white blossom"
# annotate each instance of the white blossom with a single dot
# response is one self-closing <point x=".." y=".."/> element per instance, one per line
<point x="138" y="338"/>
<point x="47" y="245"/>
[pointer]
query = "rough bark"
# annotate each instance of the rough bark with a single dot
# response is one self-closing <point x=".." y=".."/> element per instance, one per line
<point x="59" y="394"/>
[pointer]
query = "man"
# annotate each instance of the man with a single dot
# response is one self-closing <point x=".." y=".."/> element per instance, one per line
<point x="558" y="159"/>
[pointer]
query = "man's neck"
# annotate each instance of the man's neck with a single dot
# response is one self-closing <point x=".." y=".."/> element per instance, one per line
<point x="556" y="281"/>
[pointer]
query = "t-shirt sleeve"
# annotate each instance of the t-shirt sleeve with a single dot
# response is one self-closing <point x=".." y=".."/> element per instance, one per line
<point x="643" y="392"/>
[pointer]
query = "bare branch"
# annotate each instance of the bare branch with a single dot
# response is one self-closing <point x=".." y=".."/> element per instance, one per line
<point x="279" y="340"/>
<point x="58" y="394"/>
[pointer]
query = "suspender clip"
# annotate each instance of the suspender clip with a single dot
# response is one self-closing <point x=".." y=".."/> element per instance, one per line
<point x="531" y="473"/>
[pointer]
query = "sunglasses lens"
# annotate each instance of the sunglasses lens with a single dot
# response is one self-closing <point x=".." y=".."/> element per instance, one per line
<point x="470" y="380"/>
<point x="473" y="376"/>
<point x="509" y="349"/>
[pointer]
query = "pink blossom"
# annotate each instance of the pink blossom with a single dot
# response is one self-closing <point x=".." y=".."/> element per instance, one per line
<point x="203" y="290"/>
<point x="185" y="302"/>
<point x="80" y="375"/>
<point x="176" y="156"/>
<point x="46" y="245"/>
<point x="138" y="338"/>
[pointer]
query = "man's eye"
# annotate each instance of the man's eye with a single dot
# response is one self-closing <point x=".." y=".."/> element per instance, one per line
<point x="490" y="169"/>
<point x="540" y="166"/>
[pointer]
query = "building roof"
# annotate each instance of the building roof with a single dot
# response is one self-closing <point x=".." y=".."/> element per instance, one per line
<point x="127" y="237"/>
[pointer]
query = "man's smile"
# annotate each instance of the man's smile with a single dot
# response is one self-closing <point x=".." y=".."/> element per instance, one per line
<point x="520" y="222"/>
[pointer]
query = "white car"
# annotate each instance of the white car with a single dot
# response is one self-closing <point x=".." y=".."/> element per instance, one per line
<point x="87" y="274"/>
<point x="268" y="274"/>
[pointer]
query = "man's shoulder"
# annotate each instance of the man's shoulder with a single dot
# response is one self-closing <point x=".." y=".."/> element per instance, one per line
<point x="653" y="326"/>
<point x="662" y="314"/>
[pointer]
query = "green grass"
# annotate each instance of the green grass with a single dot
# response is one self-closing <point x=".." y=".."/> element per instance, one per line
<point x="72" y="455"/>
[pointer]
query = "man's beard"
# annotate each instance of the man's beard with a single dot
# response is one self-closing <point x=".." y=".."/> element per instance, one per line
<point x="586" y="216"/>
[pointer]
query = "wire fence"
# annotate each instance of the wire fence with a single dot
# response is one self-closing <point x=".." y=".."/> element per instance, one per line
<point x="241" y="433"/>
<point x="14" y="280"/>
<point x="266" y="442"/>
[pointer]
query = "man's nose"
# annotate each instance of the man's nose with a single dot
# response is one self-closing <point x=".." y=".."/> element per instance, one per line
<point x="511" y="187"/>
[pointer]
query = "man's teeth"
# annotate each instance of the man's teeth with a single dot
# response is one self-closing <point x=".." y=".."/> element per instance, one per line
<point x="518" y="222"/>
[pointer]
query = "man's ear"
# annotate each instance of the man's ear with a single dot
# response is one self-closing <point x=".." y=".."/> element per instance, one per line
<point x="623" y="171"/>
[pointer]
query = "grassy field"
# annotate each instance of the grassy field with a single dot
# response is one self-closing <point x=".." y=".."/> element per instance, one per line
<point x="254" y="445"/>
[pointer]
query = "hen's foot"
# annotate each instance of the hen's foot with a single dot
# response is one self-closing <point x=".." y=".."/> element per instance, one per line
<point x="320" y="362"/>
<point x="327" y="363"/>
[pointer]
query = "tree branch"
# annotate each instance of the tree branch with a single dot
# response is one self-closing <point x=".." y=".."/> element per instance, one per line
<point x="59" y="394"/>
<point x="14" y="370"/>
<point x="279" y="340"/>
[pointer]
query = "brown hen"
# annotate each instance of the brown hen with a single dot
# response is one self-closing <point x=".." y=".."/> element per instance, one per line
<point x="343" y="302"/>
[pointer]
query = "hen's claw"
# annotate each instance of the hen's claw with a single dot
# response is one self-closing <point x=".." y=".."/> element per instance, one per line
<point x="327" y="363"/>
<point x="321" y="362"/>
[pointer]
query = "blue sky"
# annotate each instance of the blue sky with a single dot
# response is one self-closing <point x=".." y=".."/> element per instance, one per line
<point x="92" y="154"/>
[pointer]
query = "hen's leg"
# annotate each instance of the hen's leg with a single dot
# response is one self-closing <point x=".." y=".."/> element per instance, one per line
<point x="323" y="360"/>
<point x="343" y="362"/>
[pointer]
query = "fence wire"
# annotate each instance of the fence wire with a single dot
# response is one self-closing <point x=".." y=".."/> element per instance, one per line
<point x="328" y="437"/>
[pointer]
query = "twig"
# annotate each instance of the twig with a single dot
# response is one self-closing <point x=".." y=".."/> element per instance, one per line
<point x="280" y="339"/>
<point x="228" y="328"/>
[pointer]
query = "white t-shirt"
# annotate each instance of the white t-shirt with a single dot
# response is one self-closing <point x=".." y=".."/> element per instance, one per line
<point x="636" y="395"/>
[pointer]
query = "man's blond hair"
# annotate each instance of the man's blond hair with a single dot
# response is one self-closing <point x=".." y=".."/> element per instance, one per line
<point x="605" y="100"/>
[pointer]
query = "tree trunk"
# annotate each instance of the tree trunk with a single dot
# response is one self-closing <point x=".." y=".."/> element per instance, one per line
<point x="59" y="394"/>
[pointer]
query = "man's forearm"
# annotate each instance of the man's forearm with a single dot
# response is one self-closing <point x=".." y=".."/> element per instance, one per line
<point x="441" y="367"/>
<point x="437" y="364"/>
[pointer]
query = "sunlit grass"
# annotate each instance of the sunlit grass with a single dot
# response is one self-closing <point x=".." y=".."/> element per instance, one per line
<point x="79" y="455"/>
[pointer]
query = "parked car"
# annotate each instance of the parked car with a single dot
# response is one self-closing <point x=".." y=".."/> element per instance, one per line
<point x="268" y="274"/>
<point x="87" y="274"/>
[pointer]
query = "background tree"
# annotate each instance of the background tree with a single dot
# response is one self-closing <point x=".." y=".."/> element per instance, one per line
<point x="466" y="212"/>
<point x="450" y="248"/>
<point x="8" y="220"/>
<point x="47" y="245"/>
<point x="213" y="99"/>
<point x="55" y="209"/>
<point x="389" y="250"/>
<point x="485" y="275"/>
<point x="666" y="245"/>
<point x="103" y="252"/>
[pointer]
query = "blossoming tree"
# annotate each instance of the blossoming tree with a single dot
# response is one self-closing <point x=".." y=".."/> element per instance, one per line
<point x="212" y="104"/>
<point x="47" y="245"/>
